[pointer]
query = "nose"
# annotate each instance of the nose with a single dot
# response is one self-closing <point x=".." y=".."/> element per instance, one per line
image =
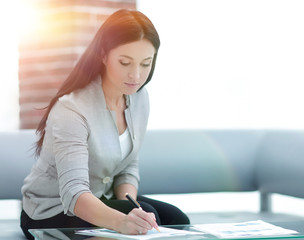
<point x="135" y="73"/>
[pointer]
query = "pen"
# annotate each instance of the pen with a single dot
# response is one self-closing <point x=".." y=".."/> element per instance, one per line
<point x="135" y="204"/>
<point x="132" y="201"/>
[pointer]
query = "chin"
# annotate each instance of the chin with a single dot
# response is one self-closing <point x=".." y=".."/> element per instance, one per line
<point x="131" y="91"/>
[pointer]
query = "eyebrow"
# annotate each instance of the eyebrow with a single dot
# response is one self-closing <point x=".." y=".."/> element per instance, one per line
<point x="126" y="56"/>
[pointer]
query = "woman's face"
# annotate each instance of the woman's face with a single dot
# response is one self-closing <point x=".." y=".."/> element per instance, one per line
<point x="127" y="66"/>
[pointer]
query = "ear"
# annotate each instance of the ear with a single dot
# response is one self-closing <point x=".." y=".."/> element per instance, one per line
<point x="103" y="56"/>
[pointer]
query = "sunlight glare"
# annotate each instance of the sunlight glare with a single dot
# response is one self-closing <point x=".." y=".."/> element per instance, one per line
<point x="28" y="17"/>
<point x="9" y="106"/>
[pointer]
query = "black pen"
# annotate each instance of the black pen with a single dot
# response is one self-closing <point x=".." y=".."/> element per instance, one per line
<point x="132" y="201"/>
<point x="135" y="204"/>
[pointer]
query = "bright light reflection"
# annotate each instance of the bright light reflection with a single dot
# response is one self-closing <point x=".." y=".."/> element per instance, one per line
<point x="28" y="17"/>
<point x="18" y="19"/>
<point x="9" y="107"/>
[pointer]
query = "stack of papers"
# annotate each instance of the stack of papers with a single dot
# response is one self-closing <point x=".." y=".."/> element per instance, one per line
<point x="164" y="232"/>
<point x="244" y="229"/>
<point x="251" y="229"/>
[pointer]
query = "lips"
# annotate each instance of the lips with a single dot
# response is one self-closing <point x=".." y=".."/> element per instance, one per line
<point x="132" y="85"/>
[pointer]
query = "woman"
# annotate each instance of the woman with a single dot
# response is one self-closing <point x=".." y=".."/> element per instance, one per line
<point x="90" y="136"/>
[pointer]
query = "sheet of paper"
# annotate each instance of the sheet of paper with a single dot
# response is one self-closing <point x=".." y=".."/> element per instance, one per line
<point x="244" y="229"/>
<point x="164" y="232"/>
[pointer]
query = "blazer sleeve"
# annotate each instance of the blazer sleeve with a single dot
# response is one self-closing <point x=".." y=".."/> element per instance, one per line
<point x="70" y="133"/>
<point x="130" y="175"/>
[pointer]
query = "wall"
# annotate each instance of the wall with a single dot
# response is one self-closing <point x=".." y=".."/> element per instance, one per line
<point x="62" y="31"/>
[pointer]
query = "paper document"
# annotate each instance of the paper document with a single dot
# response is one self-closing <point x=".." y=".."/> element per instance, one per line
<point x="164" y="232"/>
<point x="244" y="229"/>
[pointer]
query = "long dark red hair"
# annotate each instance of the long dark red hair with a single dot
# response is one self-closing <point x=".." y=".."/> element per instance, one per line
<point x="121" y="27"/>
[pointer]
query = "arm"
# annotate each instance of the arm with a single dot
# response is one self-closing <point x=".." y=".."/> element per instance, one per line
<point x="70" y="132"/>
<point x="121" y="190"/>
<point x="91" y="209"/>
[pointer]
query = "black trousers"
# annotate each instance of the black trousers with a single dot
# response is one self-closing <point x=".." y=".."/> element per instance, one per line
<point x="166" y="214"/>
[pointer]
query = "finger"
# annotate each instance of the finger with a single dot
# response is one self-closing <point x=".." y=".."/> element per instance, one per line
<point x="139" y="224"/>
<point x="150" y="217"/>
<point x="142" y="231"/>
<point x="143" y="219"/>
<point x="153" y="216"/>
<point x="134" y="226"/>
<point x="154" y="220"/>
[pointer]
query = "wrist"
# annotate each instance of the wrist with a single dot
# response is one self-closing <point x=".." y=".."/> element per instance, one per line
<point x="118" y="221"/>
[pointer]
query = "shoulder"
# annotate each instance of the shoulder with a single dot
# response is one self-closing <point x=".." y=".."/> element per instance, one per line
<point x="63" y="117"/>
<point x="82" y="97"/>
<point x="72" y="110"/>
<point x="85" y="101"/>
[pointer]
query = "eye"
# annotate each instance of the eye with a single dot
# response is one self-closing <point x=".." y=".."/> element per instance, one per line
<point x="124" y="63"/>
<point x="146" y="64"/>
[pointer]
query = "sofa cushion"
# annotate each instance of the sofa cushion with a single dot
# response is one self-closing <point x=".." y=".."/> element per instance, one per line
<point x="189" y="161"/>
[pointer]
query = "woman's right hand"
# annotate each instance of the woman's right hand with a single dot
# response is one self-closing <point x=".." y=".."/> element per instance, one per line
<point x="138" y="222"/>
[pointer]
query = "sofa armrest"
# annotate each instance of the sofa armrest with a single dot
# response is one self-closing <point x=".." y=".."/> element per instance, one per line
<point x="279" y="163"/>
